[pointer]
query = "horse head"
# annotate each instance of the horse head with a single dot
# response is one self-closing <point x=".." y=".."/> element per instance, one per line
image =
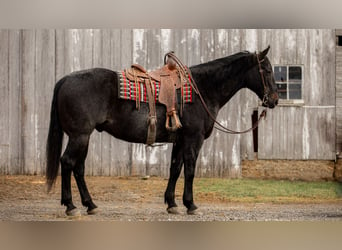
<point x="261" y="79"/>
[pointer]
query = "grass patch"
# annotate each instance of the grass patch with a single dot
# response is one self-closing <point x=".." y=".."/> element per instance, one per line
<point x="275" y="191"/>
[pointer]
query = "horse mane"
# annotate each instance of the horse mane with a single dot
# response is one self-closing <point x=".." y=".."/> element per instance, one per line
<point x="224" y="61"/>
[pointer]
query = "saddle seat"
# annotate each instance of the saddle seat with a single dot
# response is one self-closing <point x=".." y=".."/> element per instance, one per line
<point x="170" y="80"/>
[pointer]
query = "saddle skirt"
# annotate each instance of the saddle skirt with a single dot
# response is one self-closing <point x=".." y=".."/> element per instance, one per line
<point x="131" y="89"/>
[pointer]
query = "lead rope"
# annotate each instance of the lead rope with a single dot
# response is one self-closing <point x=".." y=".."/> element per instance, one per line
<point x="194" y="86"/>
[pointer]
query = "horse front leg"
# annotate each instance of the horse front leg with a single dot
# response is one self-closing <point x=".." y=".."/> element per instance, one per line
<point x="192" y="148"/>
<point x="175" y="170"/>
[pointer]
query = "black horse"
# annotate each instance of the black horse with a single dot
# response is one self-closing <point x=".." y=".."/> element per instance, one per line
<point x="88" y="100"/>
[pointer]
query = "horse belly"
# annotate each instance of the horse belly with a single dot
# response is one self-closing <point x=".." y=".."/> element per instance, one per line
<point x="130" y="124"/>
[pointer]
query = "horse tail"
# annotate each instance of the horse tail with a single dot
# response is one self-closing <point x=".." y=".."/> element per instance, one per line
<point x="54" y="140"/>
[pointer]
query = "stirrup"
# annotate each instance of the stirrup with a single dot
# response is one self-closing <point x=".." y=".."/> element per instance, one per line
<point x="175" y="122"/>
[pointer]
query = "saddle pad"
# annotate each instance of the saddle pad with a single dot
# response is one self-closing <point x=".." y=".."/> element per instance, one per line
<point x="129" y="90"/>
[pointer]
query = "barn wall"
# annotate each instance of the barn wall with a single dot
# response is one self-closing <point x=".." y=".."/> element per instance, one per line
<point x="305" y="132"/>
<point x="32" y="60"/>
<point x="339" y="95"/>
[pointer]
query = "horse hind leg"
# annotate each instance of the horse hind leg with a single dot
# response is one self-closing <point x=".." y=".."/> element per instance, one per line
<point x="73" y="159"/>
<point x="82" y="150"/>
<point x="68" y="162"/>
<point x="82" y="187"/>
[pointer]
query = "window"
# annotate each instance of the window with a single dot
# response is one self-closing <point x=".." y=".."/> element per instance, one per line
<point x="339" y="40"/>
<point x="289" y="80"/>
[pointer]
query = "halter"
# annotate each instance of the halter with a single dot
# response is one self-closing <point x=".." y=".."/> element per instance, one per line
<point x="266" y="89"/>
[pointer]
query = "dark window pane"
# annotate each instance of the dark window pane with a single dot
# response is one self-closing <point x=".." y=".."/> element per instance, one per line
<point x="295" y="91"/>
<point x="282" y="91"/>
<point x="295" y="73"/>
<point x="339" y="40"/>
<point x="280" y="73"/>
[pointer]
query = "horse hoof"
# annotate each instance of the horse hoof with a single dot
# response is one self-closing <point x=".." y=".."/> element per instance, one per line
<point x="172" y="210"/>
<point x="93" y="211"/>
<point x="73" y="212"/>
<point x="192" y="210"/>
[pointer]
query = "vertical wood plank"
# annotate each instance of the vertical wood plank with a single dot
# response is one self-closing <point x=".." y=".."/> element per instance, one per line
<point x="44" y="82"/>
<point x="306" y="136"/>
<point x="194" y="55"/>
<point x="234" y="41"/>
<point x="278" y="129"/>
<point x="314" y="74"/>
<point x="60" y="49"/>
<point x="167" y="44"/>
<point x="277" y="43"/>
<point x="5" y="102"/>
<point x="29" y="115"/>
<point x="265" y="135"/>
<point x="290" y="38"/>
<point x="298" y="142"/>
<point x="283" y="131"/>
<point x="328" y="67"/>
<point x="338" y="94"/>
<point x="15" y="92"/>
<point x="181" y="45"/>
<point x="288" y="151"/>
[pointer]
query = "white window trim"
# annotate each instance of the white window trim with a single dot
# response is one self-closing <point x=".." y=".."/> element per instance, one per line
<point x="292" y="102"/>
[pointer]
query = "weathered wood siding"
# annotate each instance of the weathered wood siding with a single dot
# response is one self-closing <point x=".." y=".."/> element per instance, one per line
<point x="339" y="95"/>
<point x="307" y="131"/>
<point x="32" y="60"/>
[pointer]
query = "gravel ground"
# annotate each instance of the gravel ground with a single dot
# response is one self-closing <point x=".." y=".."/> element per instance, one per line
<point x="23" y="198"/>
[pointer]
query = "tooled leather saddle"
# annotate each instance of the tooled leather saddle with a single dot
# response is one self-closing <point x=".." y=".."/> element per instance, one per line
<point x="161" y="86"/>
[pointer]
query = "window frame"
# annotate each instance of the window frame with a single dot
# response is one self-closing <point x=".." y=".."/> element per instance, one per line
<point x="287" y="101"/>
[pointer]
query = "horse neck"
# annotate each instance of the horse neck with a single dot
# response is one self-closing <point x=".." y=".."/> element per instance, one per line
<point x="218" y="81"/>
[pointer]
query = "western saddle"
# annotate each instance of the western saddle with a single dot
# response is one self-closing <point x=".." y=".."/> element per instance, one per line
<point x="171" y="77"/>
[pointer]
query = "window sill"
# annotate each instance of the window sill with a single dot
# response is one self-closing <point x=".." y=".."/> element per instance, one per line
<point x="289" y="103"/>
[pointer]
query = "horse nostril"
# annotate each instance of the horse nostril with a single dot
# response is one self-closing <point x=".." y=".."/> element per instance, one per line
<point x="275" y="97"/>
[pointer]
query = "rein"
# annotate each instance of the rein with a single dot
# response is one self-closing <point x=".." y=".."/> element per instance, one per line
<point x="219" y="126"/>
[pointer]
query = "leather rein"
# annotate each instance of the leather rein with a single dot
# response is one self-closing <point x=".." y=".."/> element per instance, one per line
<point x="219" y="126"/>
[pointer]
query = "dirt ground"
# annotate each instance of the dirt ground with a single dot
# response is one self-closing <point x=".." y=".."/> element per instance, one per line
<point x="24" y="198"/>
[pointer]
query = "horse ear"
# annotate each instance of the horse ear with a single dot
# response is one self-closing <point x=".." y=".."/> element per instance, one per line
<point x="264" y="53"/>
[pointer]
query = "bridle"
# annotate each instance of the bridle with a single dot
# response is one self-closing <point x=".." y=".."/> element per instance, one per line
<point x="219" y="126"/>
<point x="265" y="98"/>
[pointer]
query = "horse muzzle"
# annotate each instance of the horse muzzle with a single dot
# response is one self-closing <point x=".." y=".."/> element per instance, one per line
<point x="271" y="100"/>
